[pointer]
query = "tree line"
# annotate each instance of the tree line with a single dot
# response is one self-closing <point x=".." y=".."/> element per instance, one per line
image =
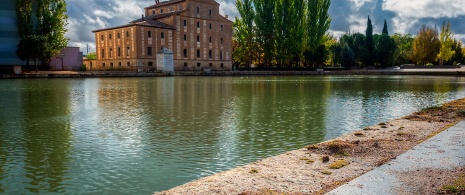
<point x="293" y="34"/>
<point x="284" y="33"/>
<point x="41" y="27"/>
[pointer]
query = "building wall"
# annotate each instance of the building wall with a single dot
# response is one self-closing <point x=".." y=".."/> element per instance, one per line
<point x="202" y="33"/>
<point x="9" y="37"/>
<point x="70" y="58"/>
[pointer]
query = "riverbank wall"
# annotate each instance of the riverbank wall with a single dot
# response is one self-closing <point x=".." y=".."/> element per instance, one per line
<point x="99" y="74"/>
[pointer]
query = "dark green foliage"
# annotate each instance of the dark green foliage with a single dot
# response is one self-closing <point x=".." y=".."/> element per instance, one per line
<point x="356" y="42"/>
<point x="368" y="55"/>
<point x="385" y="48"/>
<point x="265" y="23"/>
<point x="404" y="44"/>
<point x="347" y="57"/>
<point x="385" y="28"/>
<point x="458" y="56"/>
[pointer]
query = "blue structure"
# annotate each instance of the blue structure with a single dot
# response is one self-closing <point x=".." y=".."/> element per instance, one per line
<point x="9" y="37"/>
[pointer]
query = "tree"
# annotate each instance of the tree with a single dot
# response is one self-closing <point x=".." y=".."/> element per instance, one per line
<point x="25" y="29"/>
<point x="347" y="57"/>
<point x="265" y="22"/>
<point x="385" y="28"/>
<point x="45" y="37"/>
<point x="356" y="42"/>
<point x="404" y="45"/>
<point x="51" y="21"/>
<point x="92" y="56"/>
<point x="370" y="44"/>
<point x="426" y="45"/>
<point x="458" y="52"/>
<point x="446" y="51"/>
<point x="244" y="34"/>
<point x="318" y="22"/>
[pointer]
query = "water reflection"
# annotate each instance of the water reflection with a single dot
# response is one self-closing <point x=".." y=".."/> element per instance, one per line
<point x="140" y="135"/>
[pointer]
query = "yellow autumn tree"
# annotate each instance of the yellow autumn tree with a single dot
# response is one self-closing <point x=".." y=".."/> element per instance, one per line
<point x="426" y="46"/>
<point x="446" y="51"/>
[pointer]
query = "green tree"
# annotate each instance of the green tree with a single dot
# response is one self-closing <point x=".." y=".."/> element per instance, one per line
<point x="25" y="29"/>
<point x="458" y="52"/>
<point x="244" y="33"/>
<point x="404" y="49"/>
<point x="51" y="21"/>
<point x="347" y="57"/>
<point x="356" y="42"/>
<point x="369" y="45"/>
<point x="426" y="46"/>
<point x="385" y="28"/>
<point x="317" y="25"/>
<point x="446" y="51"/>
<point x="265" y="22"/>
<point x="92" y="56"/>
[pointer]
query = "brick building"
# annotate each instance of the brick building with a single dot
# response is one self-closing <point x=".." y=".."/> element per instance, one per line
<point x="199" y="37"/>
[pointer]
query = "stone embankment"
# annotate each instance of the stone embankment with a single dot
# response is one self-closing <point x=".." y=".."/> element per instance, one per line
<point x="322" y="167"/>
<point x="91" y="74"/>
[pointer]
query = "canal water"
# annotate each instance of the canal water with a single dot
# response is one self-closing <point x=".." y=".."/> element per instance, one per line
<point x="142" y="135"/>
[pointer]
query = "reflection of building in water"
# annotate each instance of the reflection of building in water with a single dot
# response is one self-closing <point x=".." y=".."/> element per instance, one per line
<point x="194" y="30"/>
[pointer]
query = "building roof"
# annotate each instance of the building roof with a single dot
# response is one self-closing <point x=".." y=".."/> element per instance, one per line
<point x="164" y="3"/>
<point x="143" y="23"/>
<point x="158" y="16"/>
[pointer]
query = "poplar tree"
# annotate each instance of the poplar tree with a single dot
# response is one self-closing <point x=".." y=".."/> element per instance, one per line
<point x="318" y="22"/>
<point x="244" y="33"/>
<point x="385" y="28"/>
<point x="265" y="23"/>
<point x="25" y="29"/>
<point x="446" y="51"/>
<point x="369" y="44"/>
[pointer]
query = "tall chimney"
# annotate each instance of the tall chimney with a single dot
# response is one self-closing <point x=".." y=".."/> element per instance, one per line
<point x="157" y="1"/>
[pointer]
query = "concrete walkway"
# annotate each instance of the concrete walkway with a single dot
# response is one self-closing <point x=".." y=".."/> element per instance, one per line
<point x="444" y="151"/>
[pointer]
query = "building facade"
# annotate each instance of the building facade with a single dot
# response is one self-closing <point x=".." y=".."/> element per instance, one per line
<point x="69" y="58"/>
<point x="9" y="37"/>
<point x="196" y="33"/>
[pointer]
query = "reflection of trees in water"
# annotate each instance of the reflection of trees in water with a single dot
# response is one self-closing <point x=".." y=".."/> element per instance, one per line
<point x="275" y="114"/>
<point x="47" y="135"/>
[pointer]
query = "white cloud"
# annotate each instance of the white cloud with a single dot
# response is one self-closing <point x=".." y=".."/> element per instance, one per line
<point x="426" y="8"/>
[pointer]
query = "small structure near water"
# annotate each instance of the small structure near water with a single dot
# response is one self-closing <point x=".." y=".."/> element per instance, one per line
<point x="165" y="61"/>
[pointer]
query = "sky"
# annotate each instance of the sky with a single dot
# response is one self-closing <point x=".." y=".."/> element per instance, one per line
<point x="402" y="16"/>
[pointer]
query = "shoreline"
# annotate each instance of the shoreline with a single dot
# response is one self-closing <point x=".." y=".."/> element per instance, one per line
<point x="105" y="74"/>
<point x="320" y="168"/>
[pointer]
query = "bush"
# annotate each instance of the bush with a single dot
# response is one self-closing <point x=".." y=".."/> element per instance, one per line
<point x="83" y="68"/>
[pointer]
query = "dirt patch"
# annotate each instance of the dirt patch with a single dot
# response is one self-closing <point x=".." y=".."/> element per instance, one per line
<point x="432" y="181"/>
<point x="312" y="170"/>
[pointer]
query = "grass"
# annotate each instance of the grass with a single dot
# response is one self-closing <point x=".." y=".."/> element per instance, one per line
<point x="312" y="147"/>
<point x="431" y="108"/>
<point x="457" y="187"/>
<point x="253" y="171"/>
<point x="307" y="161"/>
<point x="359" y="134"/>
<point x="338" y="164"/>
<point x="461" y="113"/>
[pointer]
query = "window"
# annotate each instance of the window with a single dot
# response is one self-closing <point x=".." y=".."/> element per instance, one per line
<point x="119" y="52"/>
<point x="221" y="40"/>
<point x="111" y="64"/>
<point x="111" y="52"/>
<point x="198" y="10"/>
<point x="149" y="51"/>
<point x="127" y="33"/>
<point x="153" y="12"/>
<point x="210" y="39"/>
<point x="119" y="63"/>
<point x="185" y="37"/>
<point x="210" y="26"/>
<point x="149" y="34"/>
<point x="162" y="35"/>
<point x="101" y="37"/>
<point x="150" y="63"/>
<point x="198" y="38"/>
<point x="103" y="53"/>
<point x="128" y="64"/>
<point x="118" y="36"/>
<point x="198" y="53"/>
<point x="211" y="64"/>
<point x="210" y="12"/>
<point x="222" y="65"/>
<point x="185" y="22"/>
<point x="198" y="64"/>
<point x="221" y="27"/>
<point x="185" y="53"/>
<point x="109" y="36"/>
<point x="161" y="11"/>
<point x="185" y="64"/>
<point x="198" y="24"/>
<point x="210" y="54"/>
<point x="128" y="50"/>
<point x="103" y="64"/>
<point x="221" y="55"/>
